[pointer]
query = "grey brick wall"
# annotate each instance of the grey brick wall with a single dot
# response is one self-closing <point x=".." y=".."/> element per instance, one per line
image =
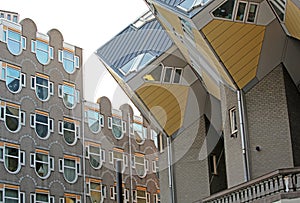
<point x="268" y="123"/>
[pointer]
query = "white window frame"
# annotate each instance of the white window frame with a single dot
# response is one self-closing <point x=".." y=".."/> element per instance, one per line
<point x="77" y="168"/>
<point x="113" y="159"/>
<point x="21" y="195"/>
<point x="20" y="157"/>
<point x="49" y="51"/>
<point x="122" y="125"/>
<point x="236" y="11"/>
<point x="248" y="11"/>
<point x="102" y="190"/>
<point x="101" y="155"/>
<point x="76" y="131"/>
<point x="50" y="163"/>
<point x="144" y="132"/>
<point x="18" y="30"/>
<point x="100" y="120"/>
<point x="76" y="59"/>
<point x="33" y="199"/>
<point x="145" y="165"/>
<point x="61" y="94"/>
<point x="3" y="76"/>
<point x="233" y="121"/>
<point x="50" y="123"/>
<point x="21" y="117"/>
<point x="34" y="85"/>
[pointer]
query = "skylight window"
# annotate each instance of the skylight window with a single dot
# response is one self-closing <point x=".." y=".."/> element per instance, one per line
<point x="188" y="5"/>
<point x="144" y="19"/>
<point x="136" y="63"/>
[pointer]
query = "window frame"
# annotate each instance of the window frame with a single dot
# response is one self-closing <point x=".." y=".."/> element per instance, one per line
<point x="61" y="94"/>
<point x="76" y="131"/>
<point x="50" y="162"/>
<point x="72" y="196"/>
<point x="75" y="61"/>
<point x="15" y="29"/>
<point x="100" y="119"/>
<point x="21" y="195"/>
<point x="111" y="124"/>
<point x="102" y="189"/>
<point x="20" y="157"/>
<point x="233" y="121"/>
<point x="76" y="168"/>
<point x="3" y="115"/>
<point x="35" y="49"/>
<point x="113" y="158"/>
<point x="34" y="122"/>
<point x="33" y="196"/>
<point x="50" y="86"/>
<point x="4" y="75"/>
<point x="145" y="165"/>
<point x="101" y="154"/>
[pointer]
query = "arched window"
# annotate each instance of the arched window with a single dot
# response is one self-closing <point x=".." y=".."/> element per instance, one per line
<point x="42" y="163"/>
<point x="69" y="128"/>
<point x="42" y="86"/>
<point x="12" y="116"/>
<point x="69" y="94"/>
<point x="13" y="77"/>
<point x="41" y="48"/>
<point x="12" y="156"/>
<point x="42" y="124"/>
<point x="68" y="58"/>
<point x="70" y="167"/>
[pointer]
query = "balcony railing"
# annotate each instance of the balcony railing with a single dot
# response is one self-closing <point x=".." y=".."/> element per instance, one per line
<point x="280" y="184"/>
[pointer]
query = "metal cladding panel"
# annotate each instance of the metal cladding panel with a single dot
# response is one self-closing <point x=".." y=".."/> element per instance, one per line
<point x="239" y="47"/>
<point x="131" y="42"/>
<point x="172" y="3"/>
<point x="292" y="19"/>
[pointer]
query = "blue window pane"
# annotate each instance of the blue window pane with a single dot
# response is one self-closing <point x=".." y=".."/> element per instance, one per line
<point x="68" y="55"/>
<point x="68" y="90"/>
<point x="42" y="45"/>
<point x="14" y="47"/>
<point x="42" y="52"/>
<point x="146" y="59"/>
<point x="14" y="35"/>
<point x="13" y="72"/>
<point x="13" y="79"/>
<point x="41" y="81"/>
<point x="69" y="66"/>
<point x="4" y="36"/>
<point x="187" y="4"/>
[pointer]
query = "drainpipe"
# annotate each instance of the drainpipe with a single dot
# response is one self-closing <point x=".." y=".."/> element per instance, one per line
<point x="130" y="156"/>
<point x="243" y="135"/>
<point x="83" y="150"/>
<point x="170" y="171"/>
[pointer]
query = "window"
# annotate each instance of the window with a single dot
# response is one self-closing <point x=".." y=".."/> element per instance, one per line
<point x="12" y="116"/>
<point x="233" y="121"/>
<point x="140" y="165"/>
<point x="157" y="198"/>
<point x="70" y="198"/>
<point x="15" y="19"/>
<point x="95" y="155"/>
<point x="141" y="195"/>
<point x="188" y="5"/>
<point x="279" y="8"/>
<point x="96" y="190"/>
<point x="12" y="37"/>
<point x="147" y="17"/>
<point x="155" y="74"/>
<point x="69" y="94"/>
<point x="70" y="167"/>
<point x="241" y="10"/>
<point x="187" y="28"/>
<point x="213" y="164"/>
<point x="225" y="10"/>
<point x="95" y="120"/>
<point x="41" y="196"/>
<point x="68" y="59"/>
<point x="118" y="155"/>
<point x="42" y="163"/>
<point x="12" y="156"/>
<point x="42" y="49"/>
<point x="42" y="86"/>
<point x="155" y="166"/>
<point x="113" y="193"/>
<point x="70" y="130"/>
<point x="137" y="63"/>
<point x="11" y="193"/>
<point x="13" y="77"/>
<point x="140" y="132"/>
<point x="117" y="126"/>
<point x="252" y="12"/>
<point x="42" y="124"/>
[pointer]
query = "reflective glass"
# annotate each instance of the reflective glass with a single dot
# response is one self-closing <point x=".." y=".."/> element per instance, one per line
<point x="14" y="42"/>
<point x="225" y="10"/>
<point x="41" y="125"/>
<point x="42" y="52"/>
<point x="13" y="79"/>
<point x="68" y="61"/>
<point x="42" y="88"/>
<point x="69" y="96"/>
<point x="69" y="132"/>
<point x="117" y="127"/>
<point x="11" y="159"/>
<point x="94" y="120"/>
<point x="41" y="197"/>
<point x="12" y="118"/>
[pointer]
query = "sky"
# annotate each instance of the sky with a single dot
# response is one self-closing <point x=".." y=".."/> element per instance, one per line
<point x="86" y="24"/>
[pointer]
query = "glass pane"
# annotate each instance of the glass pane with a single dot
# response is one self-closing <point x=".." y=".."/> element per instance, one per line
<point x="12" y="123"/>
<point x="14" y="42"/>
<point x="225" y="10"/>
<point x="70" y="163"/>
<point x="41" y="130"/>
<point x="42" y="197"/>
<point x="126" y="68"/>
<point x="154" y="75"/>
<point x="177" y="76"/>
<point x="95" y="197"/>
<point x="94" y="150"/>
<point x="140" y="170"/>
<point x="70" y="174"/>
<point x="41" y="119"/>
<point x="12" y="163"/>
<point x="241" y="11"/>
<point x="252" y="13"/>
<point x="70" y="200"/>
<point x="94" y="121"/>
<point x="117" y="131"/>
<point x="41" y="157"/>
<point x="95" y="160"/>
<point x="12" y="111"/>
<point x="168" y="73"/>
<point x="187" y="5"/>
<point x="146" y="59"/>
<point x="118" y="155"/>
<point x="13" y="79"/>
<point x="11" y="193"/>
<point x="69" y="137"/>
<point x="69" y="66"/>
<point x="42" y="92"/>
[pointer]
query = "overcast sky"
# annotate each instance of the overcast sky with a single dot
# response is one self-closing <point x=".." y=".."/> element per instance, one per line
<point x="87" y="24"/>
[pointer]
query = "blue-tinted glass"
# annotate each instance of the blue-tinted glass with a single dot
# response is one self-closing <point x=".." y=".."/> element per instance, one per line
<point x="69" y="66"/>
<point x="68" y="96"/>
<point x="70" y="163"/>
<point x="117" y="131"/>
<point x="187" y="4"/>
<point x="42" y="93"/>
<point x="94" y="120"/>
<point x="68" y="55"/>
<point x="13" y="79"/>
<point x="146" y="59"/>
<point x="13" y="72"/>
<point x="14" y="35"/>
<point x="68" y="90"/>
<point x="42" y="81"/>
<point x="126" y="68"/>
<point x="42" y="45"/>
<point x="42" y="56"/>
<point x="4" y="36"/>
<point x="14" y="47"/>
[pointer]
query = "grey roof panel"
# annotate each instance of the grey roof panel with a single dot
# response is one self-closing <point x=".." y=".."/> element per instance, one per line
<point x="131" y="42"/>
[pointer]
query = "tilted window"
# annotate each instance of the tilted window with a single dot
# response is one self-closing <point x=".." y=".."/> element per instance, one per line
<point x="70" y="167"/>
<point x="12" y="115"/>
<point x="137" y="63"/>
<point x="42" y="86"/>
<point x="225" y="10"/>
<point x="95" y="154"/>
<point x="42" y="163"/>
<point x="70" y="129"/>
<point x="233" y="121"/>
<point x="42" y="124"/>
<point x="69" y="94"/>
<point x="12" y="157"/>
<point x="13" y="77"/>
